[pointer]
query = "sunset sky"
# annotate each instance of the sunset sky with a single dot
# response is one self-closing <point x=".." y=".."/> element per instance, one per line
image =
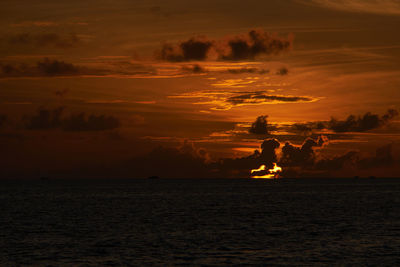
<point x="182" y="89"/>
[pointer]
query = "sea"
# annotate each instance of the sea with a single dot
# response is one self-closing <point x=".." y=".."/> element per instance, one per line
<point x="200" y="222"/>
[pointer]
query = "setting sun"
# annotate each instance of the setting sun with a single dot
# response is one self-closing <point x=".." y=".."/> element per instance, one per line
<point x="200" y="133"/>
<point x="270" y="174"/>
<point x="151" y="88"/>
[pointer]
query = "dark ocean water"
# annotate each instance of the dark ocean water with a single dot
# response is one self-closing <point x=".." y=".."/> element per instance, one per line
<point x="200" y="222"/>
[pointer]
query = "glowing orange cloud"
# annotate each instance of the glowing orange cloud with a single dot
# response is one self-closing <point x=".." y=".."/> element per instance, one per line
<point x="272" y="173"/>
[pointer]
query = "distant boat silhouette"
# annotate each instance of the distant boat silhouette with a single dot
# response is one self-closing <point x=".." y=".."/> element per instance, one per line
<point x="153" y="177"/>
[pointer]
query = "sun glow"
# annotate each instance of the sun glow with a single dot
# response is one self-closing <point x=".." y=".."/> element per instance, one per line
<point x="272" y="173"/>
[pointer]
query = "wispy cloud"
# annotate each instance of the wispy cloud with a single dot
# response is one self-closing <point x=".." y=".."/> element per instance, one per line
<point x="389" y="7"/>
<point x="35" y="23"/>
<point x="235" y="82"/>
<point x="46" y="67"/>
<point x="46" y="119"/>
<point x="42" y="40"/>
<point x="49" y="67"/>
<point x="46" y="23"/>
<point x="226" y="100"/>
<point x="119" y="101"/>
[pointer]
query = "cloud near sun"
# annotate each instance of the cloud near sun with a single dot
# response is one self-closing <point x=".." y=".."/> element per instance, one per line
<point x="88" y="87"/>
<point x="226" y="100"/>
<point x="302" y="160"/>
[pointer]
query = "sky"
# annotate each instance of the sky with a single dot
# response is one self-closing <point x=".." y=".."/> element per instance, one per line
<point x="199" y="89"/>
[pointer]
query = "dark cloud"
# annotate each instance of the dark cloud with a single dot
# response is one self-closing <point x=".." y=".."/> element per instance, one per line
<point x="43" y="40"/>
<point x="309" y="158"/>
<point x="195" y="49"/>
<point x="305" y="161"/>
<point x="260" y="126"/>
<point x="268" y="155"/>
<point x="186" y="161"/>
<point x="307" y="127"/>
<point x="46" y="67"/>
<point x="54" y="67"/>
<point x="301" y="155"/>
<point x="337" y="163"/>
<point x="81" y="122"/>
<point x="195" y="68"/>
<point x="383" y="157"/>
<point x="247" y="70"/>
<point x="301" y="128"/>
<point x="354" y="162"/>
<point x="261" y="97"/>
<point x="256" y="43"/>
<point x="283" y="71"/>
<point x="13" y="70"/>
<point x="363" y="123"/>
<point x="225" y="100"/>
<point x="353" y="123"/>
<point x="46" y="119"/>
<point x="190" y="50"/>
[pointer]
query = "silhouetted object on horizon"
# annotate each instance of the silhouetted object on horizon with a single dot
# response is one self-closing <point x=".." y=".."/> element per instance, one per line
<point x="153" y="177"/>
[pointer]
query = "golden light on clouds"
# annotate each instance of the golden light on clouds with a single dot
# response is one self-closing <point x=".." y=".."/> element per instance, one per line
<point x="137" y="78"/>
<point x="270" y="174"/>
<point x="226" y="100"/>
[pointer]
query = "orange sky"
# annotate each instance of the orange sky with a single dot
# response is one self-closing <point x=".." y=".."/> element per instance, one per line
<point x="138" y="88"/>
